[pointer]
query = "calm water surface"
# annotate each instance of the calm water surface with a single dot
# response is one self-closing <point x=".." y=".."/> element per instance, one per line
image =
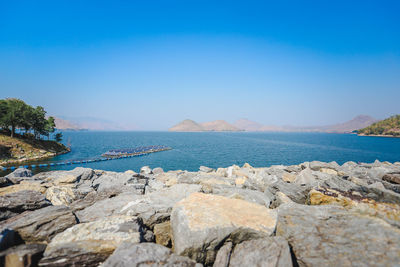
<point x="217" y="149"/>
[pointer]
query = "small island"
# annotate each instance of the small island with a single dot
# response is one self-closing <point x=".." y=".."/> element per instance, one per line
<point x="389" y="127"/>
<point x="22" y="133"/>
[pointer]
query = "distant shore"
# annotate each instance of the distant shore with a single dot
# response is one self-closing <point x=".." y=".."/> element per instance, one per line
<point x="379" y="135"/>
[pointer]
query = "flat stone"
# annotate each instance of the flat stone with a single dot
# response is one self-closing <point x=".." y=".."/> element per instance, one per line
<point x="15" y="203"/>
<point x="41" y="225"/>
<point x="201" y="222"/>
<point x="22" y="186"/>
<point x="205" y="169"/>
<point x="113" y="179"/>
<point x="106" y="207"/>
<point x="318" y="165"/>
<point x="146" y="254"/>
<point x="332" y="236"/>
<point x="100" y="238"/>
<point x="76" y="175"/>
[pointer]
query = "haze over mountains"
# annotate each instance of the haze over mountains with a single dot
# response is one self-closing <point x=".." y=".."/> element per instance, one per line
<point x="356" y="123"/>
<point x="192" y="126"/>
<point x="87" y="123"/>
<point x="79" y="124"/>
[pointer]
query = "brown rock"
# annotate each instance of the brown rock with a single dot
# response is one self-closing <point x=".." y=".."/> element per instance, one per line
<point x="288" y="177"/>
<point x="393" y="178"/>
<point x="23" y="186"/>
<point x="356" y="202"/>
<point x="162" y="232"/>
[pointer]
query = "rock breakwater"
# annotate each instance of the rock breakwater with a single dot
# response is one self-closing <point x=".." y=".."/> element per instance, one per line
<point x="311" y="214"/>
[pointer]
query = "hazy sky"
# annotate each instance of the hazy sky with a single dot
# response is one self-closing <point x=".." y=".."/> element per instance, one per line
<point x="150" y="64"/>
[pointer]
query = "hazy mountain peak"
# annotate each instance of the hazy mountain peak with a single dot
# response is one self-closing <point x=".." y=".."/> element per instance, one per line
<point x="247" y="125"/>
<point x="62" y="124"/>
<point x="219" y="125"/>
<point x="186" y="126"/>
<point x="192" y="126"/>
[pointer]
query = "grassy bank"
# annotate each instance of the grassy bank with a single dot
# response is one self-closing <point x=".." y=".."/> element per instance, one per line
<point x="18" y="149"/>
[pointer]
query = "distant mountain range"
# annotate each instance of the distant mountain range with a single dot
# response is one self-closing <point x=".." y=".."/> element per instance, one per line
<point x="192" y="126"/>
<point x="88" y="123"/>
<point x="356" y="123"/>
<point x="62" y="124"/>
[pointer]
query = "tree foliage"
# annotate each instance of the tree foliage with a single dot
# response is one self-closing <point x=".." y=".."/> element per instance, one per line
<point x="16" y="114"/>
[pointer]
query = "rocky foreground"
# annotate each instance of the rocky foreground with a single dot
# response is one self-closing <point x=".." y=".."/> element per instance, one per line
<point x="312" y="214"/>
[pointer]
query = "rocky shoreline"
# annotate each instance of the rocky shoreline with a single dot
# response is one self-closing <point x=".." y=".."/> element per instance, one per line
<point x="380" y="135"/>
<point x="25" y="159"/>
<point x="311" y="214"/>
<point x="19" y="150"/>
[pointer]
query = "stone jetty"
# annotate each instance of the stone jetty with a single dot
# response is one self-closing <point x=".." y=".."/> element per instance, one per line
<point x="311" y="214"/>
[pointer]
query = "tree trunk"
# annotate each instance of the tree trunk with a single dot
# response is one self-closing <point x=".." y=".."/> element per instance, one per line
<point x="12" y="130"/>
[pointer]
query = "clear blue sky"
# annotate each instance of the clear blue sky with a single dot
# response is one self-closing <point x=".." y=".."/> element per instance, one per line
<point x="150" y="64"/>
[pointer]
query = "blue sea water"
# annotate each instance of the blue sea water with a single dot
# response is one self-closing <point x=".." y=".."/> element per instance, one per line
<point x="222" y="149"/>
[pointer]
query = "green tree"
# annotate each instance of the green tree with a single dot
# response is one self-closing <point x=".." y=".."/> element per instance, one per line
<point x="39" y="121"/>
<point x="58" y="137"/>
<point x="28" y="118"/>
<point x="14" y="116"/>
<point x="50" y="126"/>
<point x="3" y="113"/>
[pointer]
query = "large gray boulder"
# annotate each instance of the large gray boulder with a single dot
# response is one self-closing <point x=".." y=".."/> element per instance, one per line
<point x="297" y="193"/>
<point x="244" y="194"/>
<point x="75" y="176"/>
<point x="114" y="179"/>
<point x="331" y="236"/>
<point x="318" y="165"/>
<point x="15" y="203"/>
<point x="156" y="207"/>
<point x="95" y="241"/>
<point x="40" y="225"/>
<point x="152" y="208"/>
<point x="19" y="175"/>
<point x="265" y="252"/>
<point x="146" y="254"/>
<point x="100" y="209"/>
<point x="202" y="222"/>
